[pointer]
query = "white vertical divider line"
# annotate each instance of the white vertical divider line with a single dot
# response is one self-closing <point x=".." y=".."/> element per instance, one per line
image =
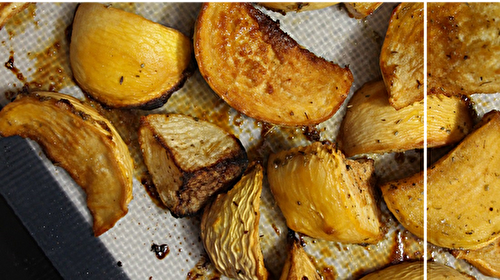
<point x="425" y="140"/>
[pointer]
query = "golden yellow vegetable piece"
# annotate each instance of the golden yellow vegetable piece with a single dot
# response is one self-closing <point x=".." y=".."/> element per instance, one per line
<point x="190" y="160"/>
<point x="415" y="271"/>
<point x="372" y="125"/>
<point x="324" y="195"/>
<point x="361" y="10"/>
<point x="124" y="60"/>
<point x="74" y="136"/>
<point x="261" y="71"/>
<point x="10" y="9"/>
<point x="486" y="259"/>
<point x="463" y="48"/>
<point x="297" y="265"/>
<point x="463" y="193"/>
<point x="285" y="7"/>
<point x="402" y="55"/>
<point x="230" y="229"/>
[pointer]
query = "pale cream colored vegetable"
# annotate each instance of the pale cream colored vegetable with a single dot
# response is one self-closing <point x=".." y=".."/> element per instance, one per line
<point x="372" y="125"/>
<point x="230" y="229"/>
<point x="263" y="72"/>
<point x="124" y="60"/>
<point x="402" y="55"/>
<point x="285" y="7"/>
<point x="298" y="265"/>
<point x="324" y="195"/>
<point x="415" y="271"/>
<point x="190" y="160"/>
<point x="463" y="193"/>
<point x="361" y="10"/>
<point x="74" y="136"/>
<point x="486" y="259"/>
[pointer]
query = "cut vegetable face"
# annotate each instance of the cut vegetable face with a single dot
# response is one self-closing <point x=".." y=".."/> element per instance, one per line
<point x="463" y="191"/>
<point x="124" y="60"/>
<point x="324" y="195"/>
<point x="75" y="137"/>
<point x="372" y="125"/>
<point x="402" y="55"/>
<point x="361" y="10"/>
<point x="190" y="160"/>
<point x="463" y="48"/>
<point x="263" y="72"/>
<point x="285" y="7"/>
<point x="230" y="229"/>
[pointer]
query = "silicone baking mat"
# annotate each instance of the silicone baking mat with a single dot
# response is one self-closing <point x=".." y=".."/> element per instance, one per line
<point x="148" y="243"/>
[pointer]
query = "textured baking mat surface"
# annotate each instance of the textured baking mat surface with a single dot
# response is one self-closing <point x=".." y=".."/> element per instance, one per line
<point x="36" y="42"/>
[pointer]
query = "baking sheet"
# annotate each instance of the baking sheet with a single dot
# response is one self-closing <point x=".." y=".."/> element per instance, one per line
<point x="37" y="42"/>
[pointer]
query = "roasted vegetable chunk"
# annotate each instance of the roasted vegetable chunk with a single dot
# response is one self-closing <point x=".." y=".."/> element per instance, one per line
<point x="463" y="193"/>
<point x="190" y="160"/>
<point x="124" y="60"/>
<point x="230" y="229"/>
<point x="74" y="136"/>
<point x="324" y="195"/>
<point x="263" y="72"/>
<point x="402" y="55"/>
<point x="372" y="125"/>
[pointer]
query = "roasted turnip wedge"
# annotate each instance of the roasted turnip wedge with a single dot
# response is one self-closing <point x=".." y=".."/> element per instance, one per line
<point x="463" y="193"/>
<point x="124" y="60"/>
<point x="190" y="160"/>
<point x="324" y="195"/>
<point x="74" y="136"/>
<point x="372" y="125"/>
<point x="402" y="55"/>
<point x="261" y="71"/>
<point x="230" y="229"/>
